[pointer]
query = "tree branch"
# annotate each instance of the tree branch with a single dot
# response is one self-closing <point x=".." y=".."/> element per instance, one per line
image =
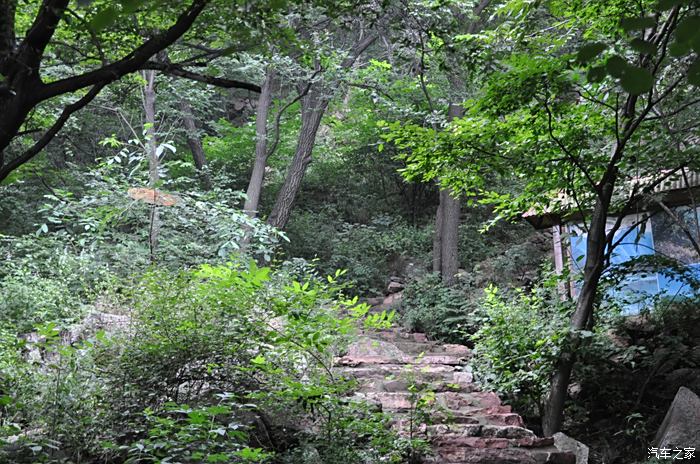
<point x="567" y="152"/>
<point x="7" y="30"/>
<point x="31" y="50"/>
<point x="680" y="224"/>
<point x="278" y="117"/>
<point x="130" y="63"/>
<point x="177" y="70"/>
<point x="50" y="133"/>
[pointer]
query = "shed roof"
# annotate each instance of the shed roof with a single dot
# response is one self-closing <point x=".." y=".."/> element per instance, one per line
<point x="675" y="191"/>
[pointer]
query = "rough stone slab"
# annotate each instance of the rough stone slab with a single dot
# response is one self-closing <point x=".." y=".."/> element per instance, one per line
<point x="463" y="377"/>
<point x="566" y="443"/>
<point x="507" y="431"/>
<point x="504" y="419"/>
<point x="454" y="349"/>
<point x="681" y="425"/>
<point x="463" y="441"/>
<point x="535" y="442"/>
<point x="483" y="456"/>
<point x="440" y="359"/>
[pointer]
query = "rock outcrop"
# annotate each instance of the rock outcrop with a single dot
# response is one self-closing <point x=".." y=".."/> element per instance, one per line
<point x="681" y="425"/>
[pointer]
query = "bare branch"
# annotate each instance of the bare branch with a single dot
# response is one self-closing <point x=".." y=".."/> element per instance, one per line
<point x="130" y="63"/>
<point x="278" y="117"/>
<point x="177" y="70"/>
<point x="50" y="133"/>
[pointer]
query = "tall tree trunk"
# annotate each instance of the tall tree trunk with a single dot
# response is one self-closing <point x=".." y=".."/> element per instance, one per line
<point x="257" y="176"/>
<point x="195" y="143"/>
<point x="437" y="239"/>
<point x="592" y="271"/>
<point x="313" y="106"/>
<point x="450" y="237"/>
<point x="446" y="240"/>
<point x="7" y="29"/>
<point x="149" y="106"/>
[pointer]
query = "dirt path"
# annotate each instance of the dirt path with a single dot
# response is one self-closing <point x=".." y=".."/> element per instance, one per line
<point x="396" y="370"/>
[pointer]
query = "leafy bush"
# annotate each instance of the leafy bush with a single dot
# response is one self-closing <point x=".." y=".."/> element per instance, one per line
<point x="186" y="434"/>
<point x="215" y="359"/>
<point x="519" y="340"/>
<point x="444" y="313"/>
<point x="46" y="279"/>
<point x="200" y="227"/>
<point x="370" y="252"/>
<point x="629" y="373"/>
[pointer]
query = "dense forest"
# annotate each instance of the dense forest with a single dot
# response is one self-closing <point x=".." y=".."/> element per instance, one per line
<point x="352" y="231"/>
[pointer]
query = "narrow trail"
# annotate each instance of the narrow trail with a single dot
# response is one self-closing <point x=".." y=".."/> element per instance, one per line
<point x="465" y="425"/>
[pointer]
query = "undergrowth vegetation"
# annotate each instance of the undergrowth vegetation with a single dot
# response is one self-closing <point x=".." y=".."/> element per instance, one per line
<point x="221" y="363"/>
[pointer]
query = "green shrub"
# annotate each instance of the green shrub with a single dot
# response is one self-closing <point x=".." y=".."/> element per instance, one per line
<point x="47" y="279"/>
<point x="256" y="338"/>
<point x="444" y="313"/>
<point x="370" y="252"/>
<point x="520" y="338"/>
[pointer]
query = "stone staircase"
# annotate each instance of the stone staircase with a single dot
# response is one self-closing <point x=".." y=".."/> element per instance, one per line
<point x="466" y="426"/>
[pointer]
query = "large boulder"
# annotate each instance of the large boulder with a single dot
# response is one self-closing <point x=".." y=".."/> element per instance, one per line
<point x="681" y="426"/>
<point x="565" y="443"/>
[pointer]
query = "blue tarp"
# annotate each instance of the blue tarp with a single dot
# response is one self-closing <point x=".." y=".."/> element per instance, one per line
<point x="636" y="290"/>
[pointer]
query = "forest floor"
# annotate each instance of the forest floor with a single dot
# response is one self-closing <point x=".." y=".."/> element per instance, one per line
<point x="429" y="391"/>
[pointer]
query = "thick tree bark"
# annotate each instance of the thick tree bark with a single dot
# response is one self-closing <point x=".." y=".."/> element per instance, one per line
<point x="7" y="30"/>
<point x="195" y="143"/>
<point x="437" y="239"/>
<point x="257" y="176"/>
<point x="446" y="239"/>
<point x="450" y="237"/>
<point x="313" y="106"/>
<point x="149" y="106"/>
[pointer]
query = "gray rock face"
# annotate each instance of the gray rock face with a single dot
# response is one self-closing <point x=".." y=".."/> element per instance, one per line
<point x="395" y="287"/>
<point x="681" y="426"/>
<point x="566" y="443"/>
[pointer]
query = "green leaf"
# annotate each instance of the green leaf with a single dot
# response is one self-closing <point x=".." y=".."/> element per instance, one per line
<point x="678" y="49"/>
<point x="596" y="74"/>
<point x="130" y="6"/>
<point x="694" y="73"/>
<point x="589" y="52"/>
<point x="616" y="66"/>
<point x="662" y="5"/>
<point x="104" y="18"/>
<point x="688" y="29"/>
<point x="636" y="80"/>
<point x="633" y="24"/>
<point x="643" y="46"/>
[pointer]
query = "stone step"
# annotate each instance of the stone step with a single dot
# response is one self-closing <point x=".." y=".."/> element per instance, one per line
<point x="428" y="373"/>
<point x="509" y="455"/>
<point x="465" y="425"/>
<point x="394" y="334"/>
<point x="449" y="382"/>
<point x="438" y="431"/>
<point x="418" y="360"/>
